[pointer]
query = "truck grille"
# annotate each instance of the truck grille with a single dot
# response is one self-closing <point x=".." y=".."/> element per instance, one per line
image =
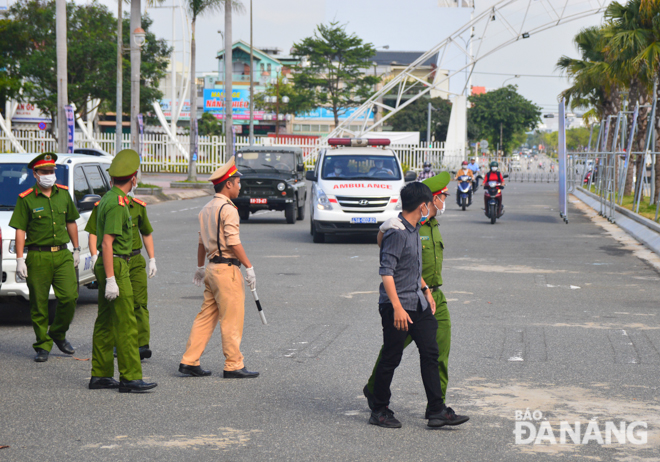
<point x="352" y="204"/>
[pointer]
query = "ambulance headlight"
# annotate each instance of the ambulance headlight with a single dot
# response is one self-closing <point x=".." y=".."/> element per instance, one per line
<point x="322" y="201"/>
<point x="281" y="186"/>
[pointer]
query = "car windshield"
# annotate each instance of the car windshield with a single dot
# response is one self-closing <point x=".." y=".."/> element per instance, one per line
<point x="266" y="161"/>
<point x="347" y="167"/>
<point x="16" y="178"/>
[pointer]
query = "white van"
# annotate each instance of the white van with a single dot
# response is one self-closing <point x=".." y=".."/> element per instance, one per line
<point x="355" y="187"/>
<point x="87" y="180"/>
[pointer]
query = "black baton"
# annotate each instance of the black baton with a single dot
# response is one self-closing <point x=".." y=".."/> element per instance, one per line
<point x="261" y="311"/>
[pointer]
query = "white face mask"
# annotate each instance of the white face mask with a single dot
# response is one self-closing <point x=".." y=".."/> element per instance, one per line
<point x="442" y="210"/>
<point x="46" y="181"/>
<point x="493" y="169"/>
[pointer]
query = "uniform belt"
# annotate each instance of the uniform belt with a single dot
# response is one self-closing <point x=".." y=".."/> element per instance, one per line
<point x="39" y="248"/>
<point x="136" y="252"/>
<point x="435" y="288"/>
<point x="229" y="261"/>
<point x="123" y="257"/>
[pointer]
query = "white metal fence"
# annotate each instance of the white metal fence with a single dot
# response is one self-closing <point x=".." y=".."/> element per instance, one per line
<point x="160" y="154"/>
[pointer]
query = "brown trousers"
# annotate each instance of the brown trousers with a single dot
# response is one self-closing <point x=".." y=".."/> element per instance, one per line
<point x="224" y="302"/>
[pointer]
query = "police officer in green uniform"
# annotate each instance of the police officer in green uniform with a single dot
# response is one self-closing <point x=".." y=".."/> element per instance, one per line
<point x="45" y="220"/>
<point x="115" y="323"/>
<point x="432" y="253"/>
<point x="137" y="267"/>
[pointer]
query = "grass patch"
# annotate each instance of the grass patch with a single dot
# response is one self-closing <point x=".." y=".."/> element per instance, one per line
<point x="147" y="185"/>
<point x="645" y="210"/>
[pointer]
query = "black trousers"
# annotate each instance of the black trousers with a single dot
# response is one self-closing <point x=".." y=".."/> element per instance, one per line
<point x="423" y="331"/>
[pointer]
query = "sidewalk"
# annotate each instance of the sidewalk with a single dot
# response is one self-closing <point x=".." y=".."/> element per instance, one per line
<point x="163" y="180"/>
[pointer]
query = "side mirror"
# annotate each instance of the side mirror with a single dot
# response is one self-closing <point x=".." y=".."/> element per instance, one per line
<point x="310" y="175"/>
<point x="506" y="175"/>
<point x="87" y="202"/>
<point x="410" y="176"/>
<point x="300" y="168"/>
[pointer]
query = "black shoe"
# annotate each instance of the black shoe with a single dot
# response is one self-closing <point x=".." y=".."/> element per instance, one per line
<point x="127" y="386"/>
<point x="145" y="352"/>
<point x="195" y="371"/>
<point x="100" y="383"/>
<point x="384" y="418"/>
<point x="446" y="417"/>
<point x="42" y="355"/>
<point x="64" y="346"/>
<point x="240" y="374"/>
<point x="369" y="396"/>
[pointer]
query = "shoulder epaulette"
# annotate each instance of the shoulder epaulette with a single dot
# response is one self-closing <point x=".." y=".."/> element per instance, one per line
<point x="138" y="201"/>
<point x="25" y="193"/>
<point x="61" y="186"/>
<point x="97" y="203"/>
<point x="121" y="201"/>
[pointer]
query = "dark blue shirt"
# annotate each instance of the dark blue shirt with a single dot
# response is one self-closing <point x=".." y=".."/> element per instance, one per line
<point x="401" y="258"/>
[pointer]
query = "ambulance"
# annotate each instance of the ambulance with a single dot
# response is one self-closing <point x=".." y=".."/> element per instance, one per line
<point x="356" y="186"/>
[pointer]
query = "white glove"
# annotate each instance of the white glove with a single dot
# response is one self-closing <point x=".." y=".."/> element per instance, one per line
<point x="94" y="258"/>
<point x="251" y="278"/>
<point x="393" y="222"/>
<point x="21" y="269"/>
<point x="198" y="278"/>
<point x="111" y="288"/>
<point x="151" y="268"/>
<point x="76" y="258"/>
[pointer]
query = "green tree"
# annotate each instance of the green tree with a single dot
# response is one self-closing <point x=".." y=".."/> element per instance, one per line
<point x="414" y="118"/>
<point x="334" y="72"/>
<point x="300" y="100"/>
<point x="29" y="59"/>
<point x="503" y="113"/>
<point x="209" y="125"/>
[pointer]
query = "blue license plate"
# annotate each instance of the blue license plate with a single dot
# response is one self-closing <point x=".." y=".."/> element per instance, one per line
<point x="361" y="220"/>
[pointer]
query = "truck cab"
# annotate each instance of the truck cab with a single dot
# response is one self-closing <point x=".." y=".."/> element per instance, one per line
<point x="356" y="186"/>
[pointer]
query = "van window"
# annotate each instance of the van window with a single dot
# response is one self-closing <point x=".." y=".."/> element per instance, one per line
<point x="357" y="167"/>
<point x="80" y="185"/>
<point x="95" y="180"/>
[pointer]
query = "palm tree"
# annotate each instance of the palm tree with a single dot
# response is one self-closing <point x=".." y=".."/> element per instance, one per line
<point x="198" y="8"/>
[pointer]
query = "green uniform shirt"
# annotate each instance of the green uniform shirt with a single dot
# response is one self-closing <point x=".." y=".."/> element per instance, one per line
<point x="44" y="218"/>
<point x="114" y="218"/>
<point x="140" y="221"/>
<point x="432" y="248"/>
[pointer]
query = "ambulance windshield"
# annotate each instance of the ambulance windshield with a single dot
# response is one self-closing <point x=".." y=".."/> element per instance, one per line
<point x="357" y="167"/>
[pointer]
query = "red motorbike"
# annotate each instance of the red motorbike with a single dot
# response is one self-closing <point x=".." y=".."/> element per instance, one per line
<point x="493" y="200"/>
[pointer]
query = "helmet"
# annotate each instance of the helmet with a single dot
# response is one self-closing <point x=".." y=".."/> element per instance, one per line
<point x="494" y="164"/>
<point x="427" y="164"/>
<point x="464" y="162"/>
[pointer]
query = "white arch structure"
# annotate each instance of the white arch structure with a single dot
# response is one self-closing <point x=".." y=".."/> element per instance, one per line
<point x="495" y="28"/>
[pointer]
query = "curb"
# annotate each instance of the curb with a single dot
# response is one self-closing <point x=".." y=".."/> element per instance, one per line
<point x="182" y="185"/>
<point x="175" y="196"/>
<point x="642" y="229"/>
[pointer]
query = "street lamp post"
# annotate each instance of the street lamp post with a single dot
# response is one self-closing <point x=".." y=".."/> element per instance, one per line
<point x="251" y="81"/>
<point x="510" y="78"/>
<point x="137" y="39"/>
<point x="119" y="117"/>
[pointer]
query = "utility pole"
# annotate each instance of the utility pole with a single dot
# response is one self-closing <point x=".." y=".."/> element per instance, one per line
<point x="428" y="126"/>
<point x="251" y="81"/>
<point x="62" y="89"/>
<point x="501" y="146"/>
<point x="229" y="75"/>
<point x="136" y="24"/>
<point x="120" y="78"/>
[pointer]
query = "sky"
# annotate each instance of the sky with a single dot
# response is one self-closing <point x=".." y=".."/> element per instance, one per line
<point x="410" y="25"/>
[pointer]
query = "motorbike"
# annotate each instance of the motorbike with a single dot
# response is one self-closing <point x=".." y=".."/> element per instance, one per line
<point x="464" y="193"/>
<point x="493" y="199"/>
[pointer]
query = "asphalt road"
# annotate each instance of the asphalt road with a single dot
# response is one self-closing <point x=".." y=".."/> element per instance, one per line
<point x="557" y="318"/>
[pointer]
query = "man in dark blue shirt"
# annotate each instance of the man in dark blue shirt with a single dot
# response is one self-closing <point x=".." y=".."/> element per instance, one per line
<point x="407" y="307"/>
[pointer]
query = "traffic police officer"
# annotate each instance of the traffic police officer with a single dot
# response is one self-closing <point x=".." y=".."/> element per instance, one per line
<point x="115" y="323"/>
<point x="141" y="228"/>
<point x="224" y="292"/>
<point x="432" y="253"/>
<point x="45" y="219"/>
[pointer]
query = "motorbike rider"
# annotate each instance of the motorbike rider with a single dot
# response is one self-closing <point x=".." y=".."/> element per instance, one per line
<point x="494" y="175"/>
<point x="475" y="171"/>
<point x="464" y="170"/>
<point x="426" y="172"/>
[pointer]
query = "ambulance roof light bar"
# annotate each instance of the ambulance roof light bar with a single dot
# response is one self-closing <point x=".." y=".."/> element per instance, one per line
<point x="359" y="142"/>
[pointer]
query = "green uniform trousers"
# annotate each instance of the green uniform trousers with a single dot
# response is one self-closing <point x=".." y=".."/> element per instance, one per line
<point x="46" y="269"/>
<point x="442" y="336"/>
<point x="138" y="274"/>
<point x="116" y="325"/>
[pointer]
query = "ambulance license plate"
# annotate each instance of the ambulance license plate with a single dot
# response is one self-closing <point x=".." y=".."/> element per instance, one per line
<point x="363" y="220"/>
<point x="258" y="201"/>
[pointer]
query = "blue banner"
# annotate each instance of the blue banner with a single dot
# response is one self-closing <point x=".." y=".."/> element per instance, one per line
<point x="71" y="128"/>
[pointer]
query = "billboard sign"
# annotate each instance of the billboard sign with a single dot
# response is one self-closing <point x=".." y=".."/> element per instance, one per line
<point x="214" y="102"/>
<point x="29" y="113"/>
<point x="166" y="107"/>
<point x="325" y="114"/>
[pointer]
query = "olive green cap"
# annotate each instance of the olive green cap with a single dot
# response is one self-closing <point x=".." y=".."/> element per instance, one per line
<point x="45" y="160"/>
<point x="438" y="183"/>
<point x="125" y="164"/>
